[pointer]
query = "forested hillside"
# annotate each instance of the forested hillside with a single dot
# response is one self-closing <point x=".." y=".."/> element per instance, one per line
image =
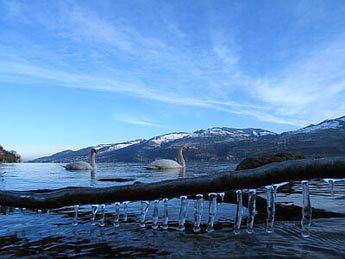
<point x="9" y="156"/>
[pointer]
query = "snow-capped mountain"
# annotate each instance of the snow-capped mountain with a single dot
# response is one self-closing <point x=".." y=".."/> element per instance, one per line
<point x="142" y="149"/>
<point x="219" y="144"/>
<point x="325" y="125"/>
<point x="215" y="132"/>
<point x="159" y="140"/>
<point x="103" y="148"/>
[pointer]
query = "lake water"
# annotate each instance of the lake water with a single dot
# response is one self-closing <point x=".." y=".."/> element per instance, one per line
<point x="47" y="234"/>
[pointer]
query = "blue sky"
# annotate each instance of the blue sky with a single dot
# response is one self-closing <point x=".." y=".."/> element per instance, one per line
<point x="81" y="73"/>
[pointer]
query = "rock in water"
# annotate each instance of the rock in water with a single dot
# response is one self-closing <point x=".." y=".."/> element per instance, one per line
<point x="253" y="162"/>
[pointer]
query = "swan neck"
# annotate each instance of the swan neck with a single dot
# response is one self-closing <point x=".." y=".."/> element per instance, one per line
<point x="93" y="160"/>
<point x="181" y="158"/>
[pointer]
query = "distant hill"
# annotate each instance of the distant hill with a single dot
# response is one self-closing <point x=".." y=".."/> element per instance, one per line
<point x="9" y="156"/>
<point x="220" y="144"/>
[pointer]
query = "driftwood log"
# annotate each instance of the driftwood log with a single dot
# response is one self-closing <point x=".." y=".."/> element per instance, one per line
<point x="224" y="181"/>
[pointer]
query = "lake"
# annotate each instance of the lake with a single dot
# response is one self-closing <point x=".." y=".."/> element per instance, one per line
<point x="27" y="233"/>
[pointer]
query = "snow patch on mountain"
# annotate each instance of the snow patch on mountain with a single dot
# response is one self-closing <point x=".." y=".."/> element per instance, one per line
<point x="329" y="124"/>
<point x="341" y="118"/>
<point x="263" y="133"/>
<point x="168" y="137"/>
<point x="231" y="132"/>
<point x="102" y="148"/>
<point x="214" y="132"/>
<point x="218" y="132"/>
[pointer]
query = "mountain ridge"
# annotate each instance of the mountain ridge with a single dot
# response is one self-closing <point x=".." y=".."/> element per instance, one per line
<point x="219" y="144"/>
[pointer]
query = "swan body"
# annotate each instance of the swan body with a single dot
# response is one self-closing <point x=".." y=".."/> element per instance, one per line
<point x="81" y="165"/>
<point x="162" y="164"/>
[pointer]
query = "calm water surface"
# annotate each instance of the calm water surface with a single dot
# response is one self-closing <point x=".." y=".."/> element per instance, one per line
<point x="50" y="234"/>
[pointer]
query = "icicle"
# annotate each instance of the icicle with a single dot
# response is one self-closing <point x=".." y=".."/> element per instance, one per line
<point x="102" y="219"/>
<point x="198" y="206"/>
<point x="239" y="212"/>
<point x="182" y="214"/>
<point x="251" y="210"/>
<point x="117" y="215"/>
<point x="331" y="184"/>
<point x="270" y="209"/>
<point x="94" y="209"/>
<point x="75" y="217"/>
<point x="277" y="185"/>
<point x="125" y="211"/>
<point x="155" y="215"/>
<point x="222" y="195"/>
<point x="307" y="210"/>
<point x="143" y="210"/>
<point x="212" y="209"/>
<point x="165" y="217"/>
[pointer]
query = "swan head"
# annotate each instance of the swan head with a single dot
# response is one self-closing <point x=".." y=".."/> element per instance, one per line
<point x="93" y="151"/>
<point x="185" y="147"/>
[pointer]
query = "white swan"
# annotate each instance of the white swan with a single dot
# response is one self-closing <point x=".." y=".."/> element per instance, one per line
<point x="81" y="165"/>
<point x="162" y="164"/>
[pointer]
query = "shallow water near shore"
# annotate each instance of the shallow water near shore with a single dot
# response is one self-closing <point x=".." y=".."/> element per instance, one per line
<point x="36" y="234"/>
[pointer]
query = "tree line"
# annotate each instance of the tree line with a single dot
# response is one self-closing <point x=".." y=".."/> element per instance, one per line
<point x="9" y="156"/>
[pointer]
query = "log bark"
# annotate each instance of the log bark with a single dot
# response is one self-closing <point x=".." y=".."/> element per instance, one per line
<point x="224" y="181"/>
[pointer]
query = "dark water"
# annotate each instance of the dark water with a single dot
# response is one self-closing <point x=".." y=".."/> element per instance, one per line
<point x="50" y="234"/>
